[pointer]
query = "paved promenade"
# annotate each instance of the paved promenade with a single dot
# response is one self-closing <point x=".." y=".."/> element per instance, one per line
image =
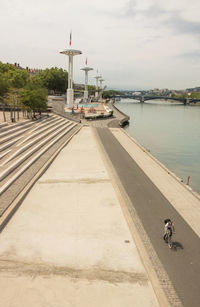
<point x="186" y="203"/>
<point x="152" y="195"/>
<point x="69" y="243"/>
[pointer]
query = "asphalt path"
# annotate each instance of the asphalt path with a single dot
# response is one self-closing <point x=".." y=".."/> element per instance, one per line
<point x="182" y="264"/>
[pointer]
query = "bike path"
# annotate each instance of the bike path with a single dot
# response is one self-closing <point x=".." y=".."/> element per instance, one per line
<point x="182" y="264"/>
<point x="69" y="244"/>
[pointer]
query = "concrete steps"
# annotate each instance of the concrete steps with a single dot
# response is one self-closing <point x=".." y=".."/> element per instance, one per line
<point x="14" y="135"/>
<point x="21" y="127"/>
<point x="10" y="127"/>
<point x="39" y="138"/>
<point x="46" y="127"/>
<point x="47" y="121"/>
<point x="11" y="136"/>
<point x="4" y="154"/>
<point x="9" y="144"/>
<point x="19" y="138"/>
<point x="22" y="148"/>
<point x="3" y="125"/>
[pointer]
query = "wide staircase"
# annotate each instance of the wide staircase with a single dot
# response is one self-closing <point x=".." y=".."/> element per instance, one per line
<point x="22" y="144"/>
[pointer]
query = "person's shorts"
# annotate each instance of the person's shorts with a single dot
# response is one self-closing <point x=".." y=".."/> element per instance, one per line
<point x="170" y="231"/>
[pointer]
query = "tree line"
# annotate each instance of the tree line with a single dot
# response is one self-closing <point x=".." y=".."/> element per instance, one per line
<point x="111" y="93"/>
<point x="193" y="95"/>
<point x="21" y="90"/>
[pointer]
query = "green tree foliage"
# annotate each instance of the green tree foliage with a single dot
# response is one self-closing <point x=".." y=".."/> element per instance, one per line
<point x="17" y="78"/>
<point x="34" y="99"/>
<point x="54" y="79"/>
<point x="12" y="97"/>
<point x="11" y="77"/>
<point x="179" y="95"/>
<point x="18" y="89"/>
<point x="4" y="86"/>
<point x="110" y="93"/>
<point x="91" y="90"/>
<point x="6" y="67"/>
<point x="195" y="95"/>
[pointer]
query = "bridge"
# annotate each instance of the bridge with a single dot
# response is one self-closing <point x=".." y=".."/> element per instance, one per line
<point x="143" y="98"/>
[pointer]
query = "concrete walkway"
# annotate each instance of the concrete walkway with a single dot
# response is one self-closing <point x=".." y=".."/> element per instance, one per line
<point x="69" y="243"/>
<point x="178" y="269"/>
<point x="186" y="203"/>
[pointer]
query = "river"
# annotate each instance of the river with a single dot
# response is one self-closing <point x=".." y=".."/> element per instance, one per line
<point x="170" y="131"/>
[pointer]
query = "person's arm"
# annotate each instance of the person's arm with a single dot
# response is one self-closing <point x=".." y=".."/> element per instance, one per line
<point x="173" y="228"/>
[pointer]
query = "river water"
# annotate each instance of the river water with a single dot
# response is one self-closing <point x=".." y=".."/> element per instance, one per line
<point x="170" y="131"/>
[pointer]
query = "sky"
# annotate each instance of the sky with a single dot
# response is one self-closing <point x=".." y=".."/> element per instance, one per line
<point x="134" y="44"/>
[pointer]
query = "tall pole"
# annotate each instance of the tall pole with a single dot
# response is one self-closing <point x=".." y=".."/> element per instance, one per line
<point x="86" y="80"/>
<point x="97" y="85"/>
<point x="101" y="87"/>
<point x="86" y="70"/>
<point x="86" y="85"/>
<point x="70" y="92"/>
<point x="101" y="80"/>
<point x="70" y="74"/>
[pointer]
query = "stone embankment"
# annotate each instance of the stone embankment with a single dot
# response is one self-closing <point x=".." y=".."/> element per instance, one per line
<point x="123" y="118"/>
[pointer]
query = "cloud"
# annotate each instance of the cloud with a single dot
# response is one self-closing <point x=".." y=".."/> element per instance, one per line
<point x="190" y="58"/>
<point x="151" y="11"/>
<point x="183" y="26"/>
<point x="162" y="17"/>
<point x="191" y="54"/>
<point x="126" y="39"/>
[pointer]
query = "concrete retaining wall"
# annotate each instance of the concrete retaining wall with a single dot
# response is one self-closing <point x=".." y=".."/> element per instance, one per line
<point x="124" y="121"/>
<point x="57" y="103"/>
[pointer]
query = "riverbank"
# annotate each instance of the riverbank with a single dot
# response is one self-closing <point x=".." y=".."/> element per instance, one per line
<point x="122" y="117"/>
<point x="171" y="181"/>
<point x="182" y="197"/>
<point x="81" y="241"/>
<point x="147" y="199"/>
<point x="80" y="228"/>
<point x="71" y="235"/>
<point x="170" y="132"/>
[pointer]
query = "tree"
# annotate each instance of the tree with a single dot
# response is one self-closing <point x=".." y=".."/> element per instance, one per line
<point x="195" y="95"/>
<point x="4" y="86"/>
<point x="11" y="77"/>
<point x="54" y="79"/>
<point x="91" y="90"/>
<point x="34" y="99"/>
<point x="12" y="99"/>
<point x="110" y="93"/>
<point x="6" y="67"/>
<point x="17" y="78"/>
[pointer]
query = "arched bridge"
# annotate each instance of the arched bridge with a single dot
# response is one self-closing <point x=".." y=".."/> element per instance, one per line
<point x="143" y="98"/>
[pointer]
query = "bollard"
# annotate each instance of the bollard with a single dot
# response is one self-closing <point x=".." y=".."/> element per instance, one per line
<point x="188" y="179"/>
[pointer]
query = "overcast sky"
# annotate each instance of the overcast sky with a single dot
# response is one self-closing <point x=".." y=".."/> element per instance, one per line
<point x="133" y="43"/>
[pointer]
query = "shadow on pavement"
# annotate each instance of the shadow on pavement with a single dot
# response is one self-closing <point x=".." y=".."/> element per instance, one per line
<point x="177" y="246"/>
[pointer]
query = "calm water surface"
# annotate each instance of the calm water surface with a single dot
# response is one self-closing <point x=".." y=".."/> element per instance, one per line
<point x="171" y="132"/>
